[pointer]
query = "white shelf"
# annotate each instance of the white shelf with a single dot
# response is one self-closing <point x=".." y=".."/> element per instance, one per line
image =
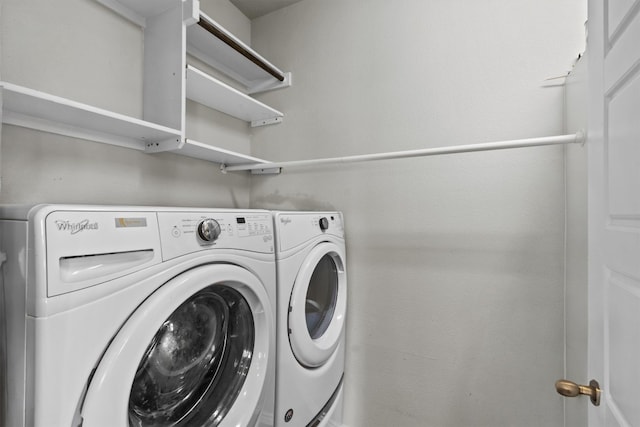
<point x="213" y="44"/>
<point x="38" y="110"/>
<point x="137" y="11"/>
<point x="164" y="23"/>
<point x="210" y="42"/>
<point x="215" y="94"/>
<point x="213" y="154"/>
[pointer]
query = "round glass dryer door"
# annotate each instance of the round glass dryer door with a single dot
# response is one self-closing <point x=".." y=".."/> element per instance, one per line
<point x="318" y="305"/>
<point x="195" y="353"/>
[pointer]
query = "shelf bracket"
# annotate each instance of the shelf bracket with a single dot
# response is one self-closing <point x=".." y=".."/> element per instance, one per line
<point x="266" y="171"/>
<point x="265" y="122"/>
<point x="165" y="145"/>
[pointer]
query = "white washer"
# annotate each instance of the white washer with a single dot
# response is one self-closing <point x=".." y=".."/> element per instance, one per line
<point x="311" y="312"/>
<point x="132" y="316"/>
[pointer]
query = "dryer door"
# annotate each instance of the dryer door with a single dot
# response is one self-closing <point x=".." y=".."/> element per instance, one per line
<point x="195" y="353"/>
<point x="318" y="305"/>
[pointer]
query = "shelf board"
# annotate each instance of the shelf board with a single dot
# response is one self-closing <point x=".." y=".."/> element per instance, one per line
<point x="38" y="110"/>
<point x="213" y="154"/>
<point x="215" y="94"/>
<point x="210" y="42"/>
<point x="213" y="44"/>
<point x="137" y="11"/>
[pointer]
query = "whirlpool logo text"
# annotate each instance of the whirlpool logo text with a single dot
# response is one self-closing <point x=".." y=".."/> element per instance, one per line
<point x="76" y="227"/>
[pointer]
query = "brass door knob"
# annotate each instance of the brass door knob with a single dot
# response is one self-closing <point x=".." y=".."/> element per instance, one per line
<point x="571" y="389"/>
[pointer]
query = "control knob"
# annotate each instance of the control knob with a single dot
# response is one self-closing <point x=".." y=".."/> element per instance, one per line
<point x="324" y="223"/>
<point x="208" y="230"/>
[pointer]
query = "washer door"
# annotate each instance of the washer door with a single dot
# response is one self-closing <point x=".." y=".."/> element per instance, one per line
<point x="318" y="305"/>
<point x="195" y="353"/>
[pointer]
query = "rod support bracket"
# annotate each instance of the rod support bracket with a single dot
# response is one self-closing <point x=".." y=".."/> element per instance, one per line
<point x="266" y="171"/>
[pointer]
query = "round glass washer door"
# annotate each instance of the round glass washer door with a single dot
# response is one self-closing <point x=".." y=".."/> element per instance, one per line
<point x="194" y="353"/>
<point x="318" y="305"/>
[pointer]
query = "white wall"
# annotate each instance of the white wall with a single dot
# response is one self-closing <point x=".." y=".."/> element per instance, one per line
<point x="576" y="276"/>
<point x="81" y="50"/>
<point x="455" y="263"/>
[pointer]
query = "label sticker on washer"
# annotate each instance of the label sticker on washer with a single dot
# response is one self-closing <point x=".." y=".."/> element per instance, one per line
<point x="130" y="222"/>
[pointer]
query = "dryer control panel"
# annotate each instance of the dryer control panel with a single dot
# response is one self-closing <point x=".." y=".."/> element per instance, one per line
<point x="186" y="232"/>
<point x="296" y="228"/>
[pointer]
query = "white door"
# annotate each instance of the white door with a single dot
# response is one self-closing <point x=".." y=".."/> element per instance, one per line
<point x="614" y="209"/>
<point x="194" y="353"/>
<point x="318" y="305"/>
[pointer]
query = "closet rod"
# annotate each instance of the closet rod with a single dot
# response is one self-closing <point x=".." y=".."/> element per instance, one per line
<point x="273" y="167"/>
<point x="217" y="32"/>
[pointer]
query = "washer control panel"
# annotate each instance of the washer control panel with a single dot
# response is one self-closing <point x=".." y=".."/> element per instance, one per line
<point x="186" y="232"/>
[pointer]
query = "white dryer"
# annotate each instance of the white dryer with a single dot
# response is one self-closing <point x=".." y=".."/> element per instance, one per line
<point x="136" y="316"/>
<point x="311" y="313"/>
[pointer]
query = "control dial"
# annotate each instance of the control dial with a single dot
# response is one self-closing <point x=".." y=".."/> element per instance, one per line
<point x="324" y="223"/>
<point x="208" y="230"/>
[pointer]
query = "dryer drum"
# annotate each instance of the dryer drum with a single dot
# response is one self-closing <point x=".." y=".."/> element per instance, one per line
<point x="196" y="364"/>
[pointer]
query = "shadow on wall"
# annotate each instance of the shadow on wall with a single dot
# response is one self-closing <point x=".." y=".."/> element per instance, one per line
<point x="39" y="168"/>
<point x="295" y="201"/>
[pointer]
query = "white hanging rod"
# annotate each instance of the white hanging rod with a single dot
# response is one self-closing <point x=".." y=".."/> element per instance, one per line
<point x="274" y="167"/>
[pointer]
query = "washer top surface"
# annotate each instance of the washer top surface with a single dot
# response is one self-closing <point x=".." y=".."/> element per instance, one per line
<point x="88" y="227"/>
